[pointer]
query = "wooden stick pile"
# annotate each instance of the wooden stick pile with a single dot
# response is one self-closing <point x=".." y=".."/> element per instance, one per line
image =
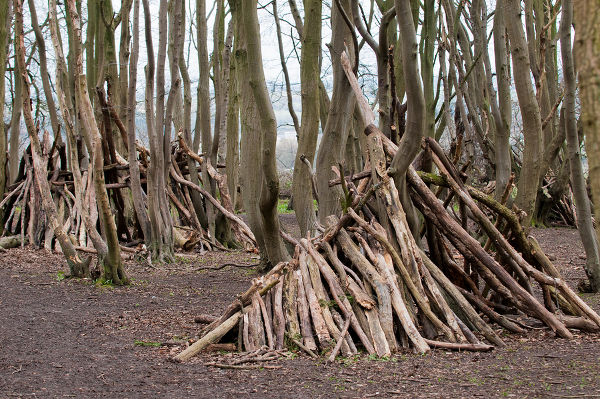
<point x="366" y="284"/>
<point x="23" y="214"/>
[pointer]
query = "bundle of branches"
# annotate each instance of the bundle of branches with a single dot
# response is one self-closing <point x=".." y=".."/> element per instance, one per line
<point x="24" y="215"/>
<point x="366" y="283"/>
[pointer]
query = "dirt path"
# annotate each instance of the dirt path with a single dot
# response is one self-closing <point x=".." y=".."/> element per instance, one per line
<point x="74" y="339"/>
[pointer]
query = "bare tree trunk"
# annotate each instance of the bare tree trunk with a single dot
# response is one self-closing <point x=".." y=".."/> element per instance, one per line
<point x="15" y="124"/>
<point x="232" y="160"/>
<point x="415" y="117"/>
<point x="333" y="142"/>
<point x="113" y="267"/>
<point x="309" y="128"/>
<point x="584" y="214"/>
<point x="530" y="112"/>
<point x="270" y="183"/>
<point x="502" y="118"/>
<point x="134" y="169"/>
<point x="5" y="18"/>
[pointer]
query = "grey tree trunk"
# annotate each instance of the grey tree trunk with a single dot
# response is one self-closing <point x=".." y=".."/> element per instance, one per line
<point x="333" y="142"/>
<point x="5" y="18"/>
<point x="269" y="191"/>
<point x="530" y="111"/>
<point x="309" y="128"/>
<point x="502" y="118"/>
<point x="584" y="214"/>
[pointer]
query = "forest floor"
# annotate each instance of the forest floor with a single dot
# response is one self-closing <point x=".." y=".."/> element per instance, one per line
<point x="71" y="338"/>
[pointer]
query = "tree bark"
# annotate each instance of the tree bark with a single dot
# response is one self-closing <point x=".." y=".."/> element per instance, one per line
<point x="5" y="18"/>
<point x="309" y="129"/>
<point x="584" y="214"/>
<point x="530" y="112"/>
<point x="333" y="141"/>
<point x="269" y="186"/>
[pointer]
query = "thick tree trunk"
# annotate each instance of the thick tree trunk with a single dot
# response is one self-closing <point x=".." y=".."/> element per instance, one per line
<point x="333" y="142"/>
<point x="270" y="184"/>
<point x="584" y="214"/>
<point x="587" y="53"/>
<point x="113" y="267"/>
<point x="415" y="119"/>
<point x="309" y="129"/>
<point x="530" y="111"/>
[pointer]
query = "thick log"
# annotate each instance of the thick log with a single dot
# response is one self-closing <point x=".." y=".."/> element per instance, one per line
<point x="212" y="337"/>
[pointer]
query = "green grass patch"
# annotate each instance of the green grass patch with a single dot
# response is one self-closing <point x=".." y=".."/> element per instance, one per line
<point x="282" y="207"/>
<point x="147" y="343"/>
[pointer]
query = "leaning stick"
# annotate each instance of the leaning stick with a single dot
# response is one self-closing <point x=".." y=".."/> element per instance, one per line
<point x="340" y="340"/>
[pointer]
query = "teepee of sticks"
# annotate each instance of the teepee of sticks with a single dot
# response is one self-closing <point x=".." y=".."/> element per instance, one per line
<point x="365" y="283"/>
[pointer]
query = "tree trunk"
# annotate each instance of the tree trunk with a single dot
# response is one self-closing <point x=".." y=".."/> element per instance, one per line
<point x="113" y="267"/>
<point x="134" y="169"/>
<point x="309" y="128"/>
<point x="530" y="112"/>
<point x="502" y="118"/>
<point x="584" y="214"/>
<point x="269" y="191"/>
<point x="333" y="141"/>
<point x="5" y="18"/>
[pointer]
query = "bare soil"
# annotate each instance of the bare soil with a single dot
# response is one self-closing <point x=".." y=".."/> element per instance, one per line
<point x="72" y="338"/>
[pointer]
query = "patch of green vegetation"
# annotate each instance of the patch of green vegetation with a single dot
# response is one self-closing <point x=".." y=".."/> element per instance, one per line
<point x="147" y="343"/>
<point x="282" y="207"/>
<point x="60" y="276"/>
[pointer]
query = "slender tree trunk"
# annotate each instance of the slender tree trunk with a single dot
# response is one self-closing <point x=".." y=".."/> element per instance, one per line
<point x="134" y="169"/>
<point x="15" y="124"/>
<point x="502" y="118"/>
<point x="232" y="160"/>
<point x="584" y="214"/>
<point x="5" y="18"/>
